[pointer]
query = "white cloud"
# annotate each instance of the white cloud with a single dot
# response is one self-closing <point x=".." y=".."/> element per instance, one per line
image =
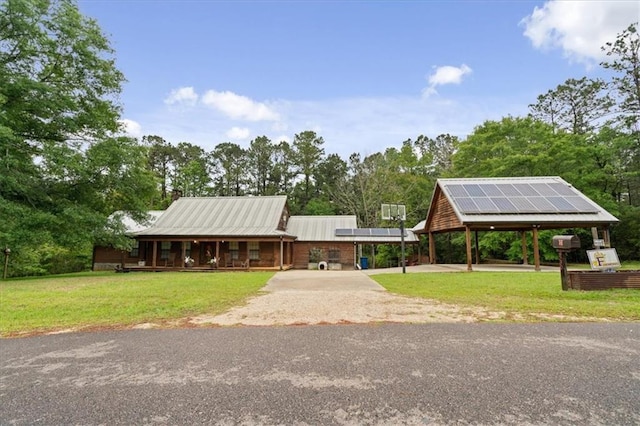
<point x="238" y="106"/>
<point x="131" y="128"/>
<point x="579" y="28"/>
<point x="183" y="95"/>
<point x="446" y="75"/>
<point x="236" y="133"/>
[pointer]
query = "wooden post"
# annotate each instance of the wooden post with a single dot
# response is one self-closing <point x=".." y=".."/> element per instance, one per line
<point x="155" y="253"/>
<point x="183" y="254"/>
<point x="536" y="249"/>
<point x="218" y="252"/>
<point x="564" y="278"/>
<point x="477" y="246"/>
<point x="525" y="256"/>
<point x="469" y="257"/>
<point x="432" y="249"/>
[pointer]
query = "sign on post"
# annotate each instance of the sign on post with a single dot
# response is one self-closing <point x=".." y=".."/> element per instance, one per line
<point x="601" y="259"/>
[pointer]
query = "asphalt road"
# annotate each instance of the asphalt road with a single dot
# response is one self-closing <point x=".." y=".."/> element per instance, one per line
<point x="351" y="374"/>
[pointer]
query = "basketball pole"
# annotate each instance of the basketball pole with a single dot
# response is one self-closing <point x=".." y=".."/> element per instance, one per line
<point x="404" y="266"/>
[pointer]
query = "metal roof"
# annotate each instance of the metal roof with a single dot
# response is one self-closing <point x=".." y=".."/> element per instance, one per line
<point x="221" y="216"/>
<point x="323" y="228"/>
<point x="320" y="228"/>
<point x="131" y="225"/>
<point x="545" y="200"/>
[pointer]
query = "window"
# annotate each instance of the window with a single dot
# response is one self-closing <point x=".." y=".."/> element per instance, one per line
<point x="165" y="248"/>
<point x="234" y="250"/>
<point x="334" y="255"/>
<point x="254" y="250"/>
<point x="135" y="249"/>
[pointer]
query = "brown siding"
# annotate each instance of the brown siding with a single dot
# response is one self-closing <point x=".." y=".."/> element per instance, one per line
<point x="301" y="253"/>
<point x="108" y="258"/>
<point x="591" y="280"/>
<point x="443" y="216"/>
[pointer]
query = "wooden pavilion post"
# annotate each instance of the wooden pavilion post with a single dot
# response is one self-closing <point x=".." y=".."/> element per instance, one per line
<point x="525" y="260"/>
<point x="469" y="256"/>
<point x="432" y="249"/>
<point x="477" y="247"/>
<point x="155" y="254"/>
<point x="536" y="249"/>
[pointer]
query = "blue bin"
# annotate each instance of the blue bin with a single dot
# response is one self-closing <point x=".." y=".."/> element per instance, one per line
<point x="364" y="262"/>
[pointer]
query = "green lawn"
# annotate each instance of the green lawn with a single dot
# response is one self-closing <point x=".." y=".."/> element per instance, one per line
<point x="520" y="294"/>
<point x="116" y="300"/>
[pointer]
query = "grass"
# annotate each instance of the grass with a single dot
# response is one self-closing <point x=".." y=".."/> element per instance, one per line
<point x="33" y="305"/>
<point x="520" y="295"/>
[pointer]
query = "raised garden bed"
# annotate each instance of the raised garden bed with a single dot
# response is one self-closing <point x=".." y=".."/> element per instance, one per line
<point x="595" y="280"/>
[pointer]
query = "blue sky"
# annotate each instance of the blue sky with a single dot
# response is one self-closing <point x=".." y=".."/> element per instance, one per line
<point x="365" y="75"/>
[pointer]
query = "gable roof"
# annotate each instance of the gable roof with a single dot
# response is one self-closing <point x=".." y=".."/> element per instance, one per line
<point x="319" y="228"/>
<point x="511" y="204"/>
<point x="133" y="226"/>
<point x="323" y="228"/>
<point x="221" y="216"/>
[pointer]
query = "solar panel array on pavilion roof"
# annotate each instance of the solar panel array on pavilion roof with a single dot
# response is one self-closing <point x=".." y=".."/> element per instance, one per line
<point x="518" y="198"/>
<point x="368" y="232"/>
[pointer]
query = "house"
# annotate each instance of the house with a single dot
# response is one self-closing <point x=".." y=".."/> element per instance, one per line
<point x="523" y="204"/>
<point x="244" y="233"/>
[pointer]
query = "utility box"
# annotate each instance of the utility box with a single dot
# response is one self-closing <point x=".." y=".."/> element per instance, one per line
<point x="566" y="242"/>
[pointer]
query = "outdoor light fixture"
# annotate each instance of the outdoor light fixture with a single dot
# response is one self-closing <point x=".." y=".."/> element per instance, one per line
<point x="7" y="252"/>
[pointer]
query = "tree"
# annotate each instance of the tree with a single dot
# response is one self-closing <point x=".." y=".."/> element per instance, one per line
<point x="161" y="158"/>
<point x="191" y="173"/>
<point x="576" y="106"/>
<point x="307" y="153"/>
<point x="260" y="158"/>
<point x="230" y="161"/>
<point x="624" y="55"/>
<point x="64" y="168"/>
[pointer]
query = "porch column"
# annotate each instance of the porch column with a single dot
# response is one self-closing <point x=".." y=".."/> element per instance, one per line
<point x="525" y="260"/>
<point x="217" y="252"/>
<point x="432" y="249"/>
<point x="281" y="252"/>
<point x="536" y="251"/>
<point x="155" y="253"/>
<point x="477" y="246"/>
<point x="468" y="239"/>
<point x="183" y="250"/>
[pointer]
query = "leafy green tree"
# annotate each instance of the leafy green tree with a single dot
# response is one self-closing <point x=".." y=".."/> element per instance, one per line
<point x="229" y="161"/>
<point x="191" y="173"/>
<point x="576" y="106"/>
<point x="161" y="157"/>
<point x="307" y="154"/>
<point x="260" y="162"/>
<point x="624" y="54"/>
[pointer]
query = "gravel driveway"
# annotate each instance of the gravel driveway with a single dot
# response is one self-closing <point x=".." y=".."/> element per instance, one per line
<point x="298" y="297"/>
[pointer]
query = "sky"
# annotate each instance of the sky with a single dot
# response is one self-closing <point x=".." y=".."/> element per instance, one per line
<point x="364" y="75"/>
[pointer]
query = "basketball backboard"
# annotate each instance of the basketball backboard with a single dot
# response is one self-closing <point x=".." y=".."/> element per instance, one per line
<point x="394" y="212"/>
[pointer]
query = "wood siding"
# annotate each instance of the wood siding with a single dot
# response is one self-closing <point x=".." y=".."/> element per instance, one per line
<point x="590" y="280"/>
<point x="301" y="253"/>
<point x="443" y="217"/>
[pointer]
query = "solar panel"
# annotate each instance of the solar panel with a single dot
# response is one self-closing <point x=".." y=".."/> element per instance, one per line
<point x="562" y="205"/>
<point x="543" y="205"/>
<point x="544" y="190"/>
<point x="457" y="191"/>
<point x="466" y="205"/>
<point x="526" y="189"/>
<point x="395" y="232"/>
<point x="344" y="232"/>
<point x="474" y="190"/>
<point x="491" y="190"/>
<point x="523" y="205"/>
<point x="582" y="205"/>
<point x="562" y="189"/>
<point x="508" y="190"/>
<point x="504" y="205"/>
<point x="362" y="232"/>
<point x="485" y="205"/>
<point x="380" y="232"/>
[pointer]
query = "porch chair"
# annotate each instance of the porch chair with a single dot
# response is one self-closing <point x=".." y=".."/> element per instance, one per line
<point x="245" y="264"/>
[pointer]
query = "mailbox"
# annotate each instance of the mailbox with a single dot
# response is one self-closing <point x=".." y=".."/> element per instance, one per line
<point x="566" y="242"/>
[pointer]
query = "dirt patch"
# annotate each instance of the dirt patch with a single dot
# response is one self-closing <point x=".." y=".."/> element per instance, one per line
<point x="300" y="307"/>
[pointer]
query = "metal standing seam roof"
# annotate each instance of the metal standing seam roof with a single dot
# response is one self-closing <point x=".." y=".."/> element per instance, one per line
<point x="472" y="206"/>
<point x="323" y="228"/>
<point x="221" y="216"/>
<point x="132" y="226"/>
